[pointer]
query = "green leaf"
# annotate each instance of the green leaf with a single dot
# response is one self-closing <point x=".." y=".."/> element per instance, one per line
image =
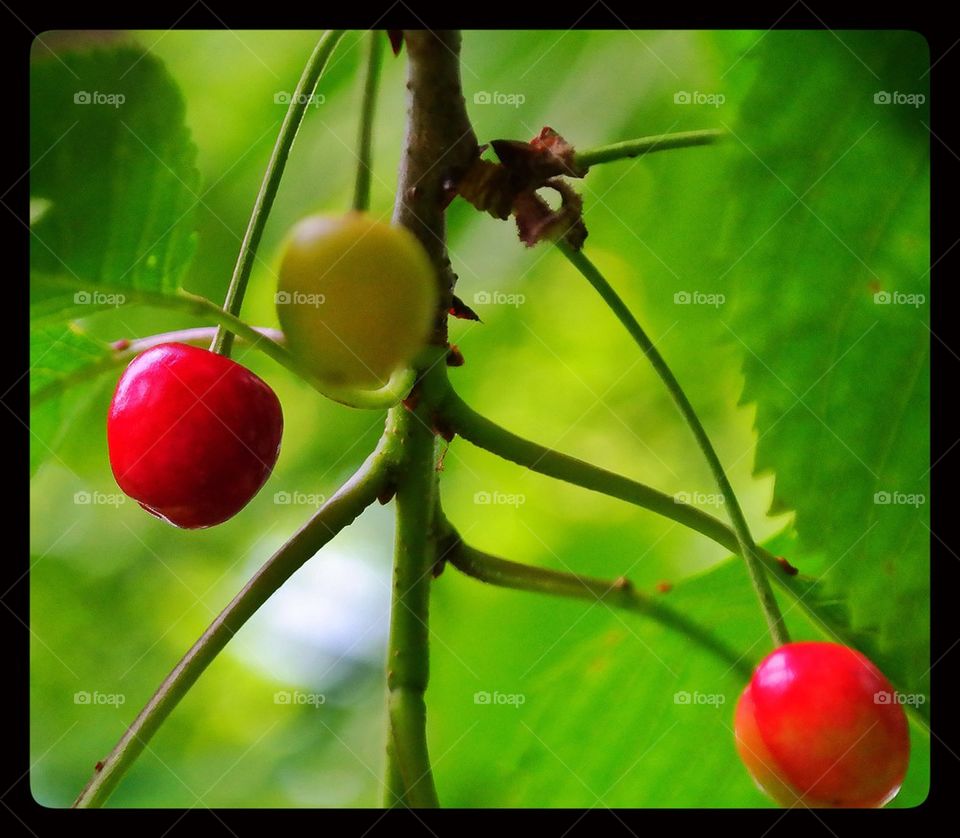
<point x="829" y="613"/>
<point x="58" y="354"/>
<point x="829" y="283"/>
<point x="113" y="185"/>
<point x="636" y="716"/>
<point x="111" y="154"/>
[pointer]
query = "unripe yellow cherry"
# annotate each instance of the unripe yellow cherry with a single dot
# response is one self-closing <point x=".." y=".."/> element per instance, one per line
<point x="356" y="298"/>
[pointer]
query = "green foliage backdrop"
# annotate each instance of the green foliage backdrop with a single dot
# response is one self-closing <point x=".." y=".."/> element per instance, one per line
<point x="783" y="274"/>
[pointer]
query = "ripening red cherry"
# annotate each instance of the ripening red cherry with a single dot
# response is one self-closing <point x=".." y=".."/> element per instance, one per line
<point x="193" y="436"/>
<point x="819" y="726"/>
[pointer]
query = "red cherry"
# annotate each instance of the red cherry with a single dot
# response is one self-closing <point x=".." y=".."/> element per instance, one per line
<point x="193" y="436"/>
<point x="819" y="726"/>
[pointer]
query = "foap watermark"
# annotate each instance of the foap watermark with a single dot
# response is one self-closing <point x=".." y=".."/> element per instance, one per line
<point x="284" y="97"/>
<point x="299" y="698"/>
<point x="698" y="298"/>
<point x="99" y="498"/>
<point x="95" y="97"/>
<point x="95" y="698"/>
<point x="495" y="97"/>
<point x="498" y="298"/>
<point x="299" y="499"/>
<point x="698" y="698"/>
<point x="914" y="499"/>
<point x="499" y="499"/>
<point x="898" y="298"/>
<point x="298" y="298"/>
<point x="696" y="97"/>
<point x="700" y="498"/>
<point x="888" y="697"/>
<point x="895" y="97"/>
<point x="497" y="697"/>
<point x="98" y="298"/>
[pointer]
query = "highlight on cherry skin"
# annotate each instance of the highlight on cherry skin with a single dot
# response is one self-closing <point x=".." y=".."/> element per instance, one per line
<point x="818" y="726"/>
<point x="192" y="435"/>
<point x="356" y="298"/>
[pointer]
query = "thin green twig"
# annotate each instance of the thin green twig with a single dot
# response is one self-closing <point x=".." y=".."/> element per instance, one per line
<point x="619" y="593"/>
<point x="114" y="358"/>
<point x="747" y="546"/>
<point x="644" y="145"/>
<point x="458" y="416"/>
<point x="395" y="389"/>
<point x="338" y="512"/>
<point x="361" y="191"/>
<point x="299" y="101"/>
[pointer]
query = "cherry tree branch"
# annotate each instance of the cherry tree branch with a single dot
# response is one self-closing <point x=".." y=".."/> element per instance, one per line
<point x="618" y="593"/>
<point x="439" y="144"/>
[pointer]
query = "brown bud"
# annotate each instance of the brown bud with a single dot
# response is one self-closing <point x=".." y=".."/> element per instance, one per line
<point x="396" y="40"/>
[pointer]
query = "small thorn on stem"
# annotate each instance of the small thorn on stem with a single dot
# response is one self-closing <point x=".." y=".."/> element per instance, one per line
<point x="455" y="356"/>
<point x="460" y="310"/>
<point x="386" y="493"/>
<point x="413" y="399"/>
<point x="664" y="587"/>
<point x="442" y="428"/>
<point x="448" y="191"/>
<point x="787" y="568"/>
<point x="120" y="345"/>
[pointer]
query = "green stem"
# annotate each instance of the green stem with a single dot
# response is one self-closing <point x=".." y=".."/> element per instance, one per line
<point x="395" y="389"/>
<point x="338" y="512"/>
<point x="619" y="593"/>
<point x="747" y="547"/>
<point x="116" y="358"/>
<point x="361" y="191"/>
<point x="408" y="651"/>
<point x="387" y="396"/>
<point x="395" y="791"/>
<point x="223" y="342"/>
<point x="583" y="160"/>
<point x="438" y="140"/>
<point x="486" y="434"/>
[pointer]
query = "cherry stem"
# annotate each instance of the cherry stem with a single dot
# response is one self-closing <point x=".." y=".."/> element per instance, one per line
<point x="748" y="547"/>
<point x="486" y="434"/>
<point x="361" y="191"/>
<point x="583" y="160"/>
<point x="359" y="492"/>
<point x="299" y="101"/>
<point x="115" y="357"/>
<point x="619" y="593"/>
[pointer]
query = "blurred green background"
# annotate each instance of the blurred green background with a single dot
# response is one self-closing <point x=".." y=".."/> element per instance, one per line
<point x="813" y="388"/>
